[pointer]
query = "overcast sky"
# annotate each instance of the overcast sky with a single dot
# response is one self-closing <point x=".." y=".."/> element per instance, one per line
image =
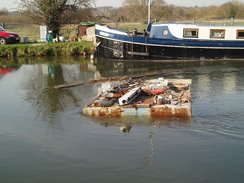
<point x="9" y="4"/>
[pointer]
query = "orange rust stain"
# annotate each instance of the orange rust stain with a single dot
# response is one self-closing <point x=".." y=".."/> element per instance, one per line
<point x="102" y="111"/>
<point x="170" y="111"/>
<point x="162" y="110"/>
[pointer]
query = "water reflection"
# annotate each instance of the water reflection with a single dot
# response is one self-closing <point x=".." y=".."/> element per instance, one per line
<point x="44" y="133"/>
<point x="125" y="124"/>
<point x="148" y="160"/>
<point x="209" y="78"/>
<point x="47" y="101"/>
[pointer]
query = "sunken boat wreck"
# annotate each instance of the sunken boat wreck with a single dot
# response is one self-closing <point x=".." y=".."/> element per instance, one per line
<point x="153" y="97"/>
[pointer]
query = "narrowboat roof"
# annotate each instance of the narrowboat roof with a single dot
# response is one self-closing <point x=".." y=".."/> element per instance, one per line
<point x="197" y="25"/>
<point x="197" y="31"/>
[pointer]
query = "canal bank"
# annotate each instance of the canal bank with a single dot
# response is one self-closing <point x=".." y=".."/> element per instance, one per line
<point x="47" y="49"/>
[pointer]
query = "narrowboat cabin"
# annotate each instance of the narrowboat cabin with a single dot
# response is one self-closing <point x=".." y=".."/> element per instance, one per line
<point x="171" y="41"/>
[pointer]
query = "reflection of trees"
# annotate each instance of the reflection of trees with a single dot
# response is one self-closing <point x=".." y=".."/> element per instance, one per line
<point x="47" y="101"/>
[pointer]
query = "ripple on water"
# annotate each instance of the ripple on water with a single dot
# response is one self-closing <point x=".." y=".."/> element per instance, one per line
<point x="227" y="124"/>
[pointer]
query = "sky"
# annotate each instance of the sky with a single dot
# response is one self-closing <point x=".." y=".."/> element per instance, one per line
<point x="10" y="4"/>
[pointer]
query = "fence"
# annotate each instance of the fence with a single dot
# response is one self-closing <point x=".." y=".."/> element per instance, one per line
<point x="32" y="31"/>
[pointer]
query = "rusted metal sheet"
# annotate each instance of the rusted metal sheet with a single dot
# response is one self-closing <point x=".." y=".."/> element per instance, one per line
<point x="102" y="111"/>
<point x="171" y="110"/>
<point x="157" y="110"/>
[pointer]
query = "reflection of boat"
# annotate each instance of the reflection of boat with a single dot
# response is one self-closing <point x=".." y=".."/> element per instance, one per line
<point x="172" y="41"/>
<point x="5" y="71"/>
<point x="131" y="97"/>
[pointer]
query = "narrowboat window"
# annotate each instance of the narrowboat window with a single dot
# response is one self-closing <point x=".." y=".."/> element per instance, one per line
<point x="165" y="32"/>
<point x="190" y="33"/>
<point x="240" y="34"/>
<point x="217" y="33"/>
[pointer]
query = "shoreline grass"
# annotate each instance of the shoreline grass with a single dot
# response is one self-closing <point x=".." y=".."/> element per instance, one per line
<point x="47" y="49"/>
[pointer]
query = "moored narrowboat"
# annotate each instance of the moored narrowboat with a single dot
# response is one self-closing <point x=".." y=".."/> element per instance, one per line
<point x="171" y="41"/>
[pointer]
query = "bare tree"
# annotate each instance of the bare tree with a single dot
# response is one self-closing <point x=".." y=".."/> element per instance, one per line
<point x="3" y="11"/>
<point x="158" y="9"/>
<point x="135" y="9"/>
<point x="53" y="13"/>
<point x="230" y="9"/>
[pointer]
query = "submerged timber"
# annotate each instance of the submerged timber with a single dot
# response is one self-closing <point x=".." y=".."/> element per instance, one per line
<point x="171" y="41"/>
<point x="153" y="97"/>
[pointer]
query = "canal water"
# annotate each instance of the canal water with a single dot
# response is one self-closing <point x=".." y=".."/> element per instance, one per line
<point x="44" y="137"/>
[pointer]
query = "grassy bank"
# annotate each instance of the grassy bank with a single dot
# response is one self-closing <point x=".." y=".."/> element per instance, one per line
<point x="47" y="49"/>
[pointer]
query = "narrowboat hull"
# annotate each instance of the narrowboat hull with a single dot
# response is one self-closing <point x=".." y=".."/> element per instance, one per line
<point x="116" y="44"/>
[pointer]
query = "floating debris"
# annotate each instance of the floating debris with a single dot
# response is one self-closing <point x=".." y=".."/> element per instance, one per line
<point x="155" y="97"/>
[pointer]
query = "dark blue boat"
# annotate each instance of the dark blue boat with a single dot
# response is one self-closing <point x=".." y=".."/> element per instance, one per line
<point x="171" y="41"/>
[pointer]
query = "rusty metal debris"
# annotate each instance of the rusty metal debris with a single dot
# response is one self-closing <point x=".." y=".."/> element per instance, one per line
<point x="155" y="97"/>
